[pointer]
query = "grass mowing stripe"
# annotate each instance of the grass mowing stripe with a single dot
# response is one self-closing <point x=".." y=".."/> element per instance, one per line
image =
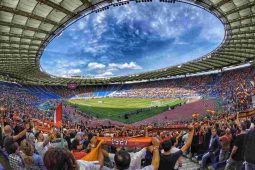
<point x="116" y="108"/>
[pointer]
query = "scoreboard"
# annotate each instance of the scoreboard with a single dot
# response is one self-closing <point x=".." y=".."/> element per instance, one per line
<point x="72" y="85"/>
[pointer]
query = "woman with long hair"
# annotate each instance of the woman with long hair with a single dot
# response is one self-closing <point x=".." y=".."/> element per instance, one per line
<point x="31" y="160"/>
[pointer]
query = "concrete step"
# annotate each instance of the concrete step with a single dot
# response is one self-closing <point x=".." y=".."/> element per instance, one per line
<point x="189" y="165"/>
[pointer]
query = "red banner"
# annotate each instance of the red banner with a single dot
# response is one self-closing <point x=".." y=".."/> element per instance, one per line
<point x="127" y="141"/>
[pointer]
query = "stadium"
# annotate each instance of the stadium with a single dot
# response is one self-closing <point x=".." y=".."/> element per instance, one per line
<point x="127" y="84"/>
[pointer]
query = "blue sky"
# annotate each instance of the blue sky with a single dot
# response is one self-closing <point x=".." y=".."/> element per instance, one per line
<point x="132" y="39"/>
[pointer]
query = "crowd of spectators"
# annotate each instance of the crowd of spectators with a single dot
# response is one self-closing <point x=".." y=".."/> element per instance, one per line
<point x="223" y="140"/>
<point x="234" y="88"/>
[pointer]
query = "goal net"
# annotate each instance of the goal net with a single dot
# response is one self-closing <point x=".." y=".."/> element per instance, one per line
<point x="156" y="103"/>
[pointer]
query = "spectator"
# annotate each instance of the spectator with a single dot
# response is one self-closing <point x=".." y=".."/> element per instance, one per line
<point x="15" y="159"/>
<point x="214" y="148"/>
<point x="123" y="160"/>
<point x="236" y="158"/>
<point x="59" y="159"/>
<point x="41" y="145"/>
<point x="8" y="133"/>
<point x="250" y="150"/>
<point x="168" y="159"/>
<point x="225" y="141"/>
<point x="31" y="160"/>
<point x="77" y="149"/>
<point x="59" y="142"/>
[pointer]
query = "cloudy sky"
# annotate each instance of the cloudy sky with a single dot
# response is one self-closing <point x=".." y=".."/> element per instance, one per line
<point x="131" y="39"/>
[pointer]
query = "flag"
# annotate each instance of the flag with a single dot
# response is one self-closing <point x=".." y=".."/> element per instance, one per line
<point x="93" y="155"/>
<point x="58" y="116"/>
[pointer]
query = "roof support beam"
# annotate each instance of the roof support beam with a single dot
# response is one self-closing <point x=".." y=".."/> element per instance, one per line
<point x="239" y="51"/>
<point x="173" y="73"/>
<point x="13" y="52"/>
<point x="86" y="2"/>
<point x="27" y="14"/>
<point x="242" y="18"/>
<point x="219" y="4"/>
<point x="20" y="43"/>
<point x="196" y="66"/>
<point x="56" y="6"/>
<point x="21" y="36"/>
<point x="213" y="60"/>
<point x="204" y="65"/>
<point x="238" y="55"/>
<point x="232" y="57"/>
<point x="242" y="42"/>
<point x="239" y="46"/>
<point x="223" y="60"/>
<point x="23" y="27"/>
<point x="244" y="37"/>
<point x="15" y="48"/>
<point x="248" y="5"/>
<point x="243" y="26"/>
<point x="242" y="34"/>
<point x="187" y="67"/>
<point x="180" y="71"/>
<point x="213" y="63"/>
<point x="188" y="70"/>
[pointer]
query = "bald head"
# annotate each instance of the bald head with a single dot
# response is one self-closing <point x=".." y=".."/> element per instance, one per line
<point x="228" y="131"/>
<point x="7" y="130"/>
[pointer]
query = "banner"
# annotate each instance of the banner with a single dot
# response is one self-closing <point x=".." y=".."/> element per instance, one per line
<point x="43" y="129"/>
<point x="127" y="141"/>
<point x="247" y="113"/>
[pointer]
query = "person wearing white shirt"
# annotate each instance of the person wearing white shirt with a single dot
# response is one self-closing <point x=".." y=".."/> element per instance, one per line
<point x="124" y="160"/>
<point x="41" y="145"/>
<point x="130" y="161"/>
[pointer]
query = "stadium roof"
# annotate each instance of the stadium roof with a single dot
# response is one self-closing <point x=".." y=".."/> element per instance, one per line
<point x="27" y="26"/>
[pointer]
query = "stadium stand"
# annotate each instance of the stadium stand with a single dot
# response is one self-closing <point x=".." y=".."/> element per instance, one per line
<point x="20" y="103"/>
<point x="196" y="135"/>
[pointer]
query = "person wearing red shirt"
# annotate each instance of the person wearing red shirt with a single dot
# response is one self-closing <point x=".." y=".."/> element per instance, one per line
<point x="77" y="149"/>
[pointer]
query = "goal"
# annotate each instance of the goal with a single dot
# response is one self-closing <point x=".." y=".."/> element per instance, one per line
<point x="156" y="103"/>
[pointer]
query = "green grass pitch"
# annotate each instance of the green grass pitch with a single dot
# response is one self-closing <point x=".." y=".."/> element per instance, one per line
<point x="116" y="108"/>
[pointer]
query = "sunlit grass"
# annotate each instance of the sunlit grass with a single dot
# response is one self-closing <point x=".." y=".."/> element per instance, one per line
<point x="116" y="108"/>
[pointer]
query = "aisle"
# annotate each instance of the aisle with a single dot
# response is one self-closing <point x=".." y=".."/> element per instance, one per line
<point x="189" y="165"/>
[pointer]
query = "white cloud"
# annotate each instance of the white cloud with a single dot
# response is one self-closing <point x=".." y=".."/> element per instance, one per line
<point x="81" y="25"/>
<point x="64" y="72"/>
<point x="73" y="71"/>
<point x="95" y="65"/>
<point x="74" y="63"/>
<point x="213" y="34"/>
<point x="105" y="74"/>
<point x="132" y="65"/>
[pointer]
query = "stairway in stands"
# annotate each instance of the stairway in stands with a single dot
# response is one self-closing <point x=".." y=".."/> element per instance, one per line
<point x="189" y="165"/>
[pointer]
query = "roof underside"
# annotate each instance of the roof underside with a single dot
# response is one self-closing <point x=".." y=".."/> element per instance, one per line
<point x="27" y="26"/>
